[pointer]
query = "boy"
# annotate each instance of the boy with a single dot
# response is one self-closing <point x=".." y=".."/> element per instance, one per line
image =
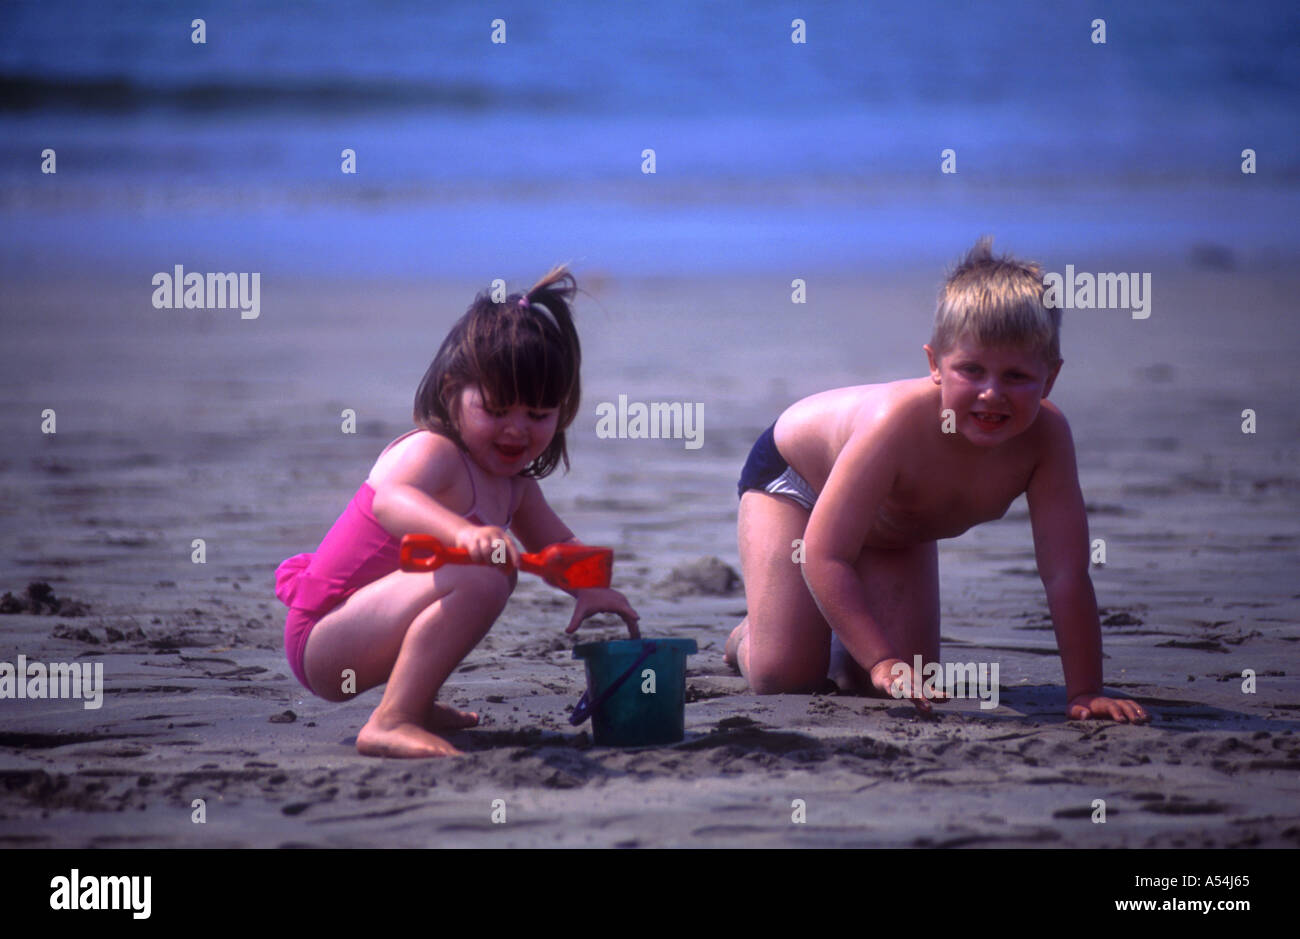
<point x="844" y="498"/>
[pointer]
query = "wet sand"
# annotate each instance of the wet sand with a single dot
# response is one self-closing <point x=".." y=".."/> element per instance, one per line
<point x="175" y="425"/>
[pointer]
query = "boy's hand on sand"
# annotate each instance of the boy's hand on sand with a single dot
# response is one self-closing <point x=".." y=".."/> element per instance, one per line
<point x="896" y="678"/>
<point x="595" y="600"/>
<point x="1085" y="706"/>
<point x="488" y="544"/>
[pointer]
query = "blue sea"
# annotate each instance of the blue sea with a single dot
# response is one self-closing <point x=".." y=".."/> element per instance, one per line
<point x="475" y="157"/>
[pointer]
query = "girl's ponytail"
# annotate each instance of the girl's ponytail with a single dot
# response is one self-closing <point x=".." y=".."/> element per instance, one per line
<point x="554" y="292"/>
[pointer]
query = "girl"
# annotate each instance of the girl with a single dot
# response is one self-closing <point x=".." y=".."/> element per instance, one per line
<point x="492" y="410"/>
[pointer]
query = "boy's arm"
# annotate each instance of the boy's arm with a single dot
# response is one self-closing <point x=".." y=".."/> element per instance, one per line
<point x="859" y="482"/>
<point x="1060" y="526"/>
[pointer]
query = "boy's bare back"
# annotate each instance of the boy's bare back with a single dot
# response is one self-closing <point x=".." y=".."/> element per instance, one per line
<point x="935" y="484"/>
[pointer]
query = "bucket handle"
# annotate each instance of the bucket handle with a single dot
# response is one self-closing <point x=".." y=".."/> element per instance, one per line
<point x="585" y="708"/>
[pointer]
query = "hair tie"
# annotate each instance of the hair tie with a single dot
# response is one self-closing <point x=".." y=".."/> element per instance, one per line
<point x="543" y="310"/>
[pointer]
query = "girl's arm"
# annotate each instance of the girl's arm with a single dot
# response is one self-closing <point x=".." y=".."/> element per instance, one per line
<point x="536" y="525"/>
<point x="408" y="499"/>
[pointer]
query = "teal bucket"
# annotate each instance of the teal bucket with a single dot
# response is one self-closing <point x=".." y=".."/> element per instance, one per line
<point x="622" y="713"/>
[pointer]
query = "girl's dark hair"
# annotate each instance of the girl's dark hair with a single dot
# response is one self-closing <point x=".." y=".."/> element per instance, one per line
<point x="522" y="351"/>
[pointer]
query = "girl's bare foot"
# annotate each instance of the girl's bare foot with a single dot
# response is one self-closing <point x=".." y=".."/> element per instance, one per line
<point x="400" y="738"/>
<point x="445" y="717"/>
<point x="731" y="653"/>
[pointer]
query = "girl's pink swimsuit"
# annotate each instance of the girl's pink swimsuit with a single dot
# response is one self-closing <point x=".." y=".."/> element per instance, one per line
<point x="356" y="551"/>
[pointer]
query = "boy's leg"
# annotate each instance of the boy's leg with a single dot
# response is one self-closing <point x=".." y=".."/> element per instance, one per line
<point x="410" y="630"/>
<point x="902" y="591"/>
<point x="783" y="645"/>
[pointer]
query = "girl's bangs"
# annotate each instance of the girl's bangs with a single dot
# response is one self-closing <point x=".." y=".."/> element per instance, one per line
<point x="531" y="375"/>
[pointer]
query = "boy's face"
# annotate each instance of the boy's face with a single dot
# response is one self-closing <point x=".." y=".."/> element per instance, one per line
<point x="994" y="391"/>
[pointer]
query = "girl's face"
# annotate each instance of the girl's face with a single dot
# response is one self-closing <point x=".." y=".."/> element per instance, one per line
<point x="503" y="441"/>
<point x="994" y="391"/>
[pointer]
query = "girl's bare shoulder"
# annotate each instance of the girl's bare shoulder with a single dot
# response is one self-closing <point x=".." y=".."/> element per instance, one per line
<point x="418" y="457"/>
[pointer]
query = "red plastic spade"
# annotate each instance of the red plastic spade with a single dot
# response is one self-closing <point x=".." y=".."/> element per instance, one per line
<point x="567" y="566"/>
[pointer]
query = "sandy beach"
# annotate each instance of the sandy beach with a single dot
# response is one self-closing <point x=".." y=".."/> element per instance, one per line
<point x="175" y="425"/>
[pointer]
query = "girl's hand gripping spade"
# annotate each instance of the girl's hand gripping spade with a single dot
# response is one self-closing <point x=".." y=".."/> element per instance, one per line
<point x="564" y="565"/>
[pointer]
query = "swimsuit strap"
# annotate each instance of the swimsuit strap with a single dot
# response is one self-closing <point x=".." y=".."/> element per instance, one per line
<point x="473" y="508"/>
<point x="473" y="505"/>
<point x="399" y="439"/>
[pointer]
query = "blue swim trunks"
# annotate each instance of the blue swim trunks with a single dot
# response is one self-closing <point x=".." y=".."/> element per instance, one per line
<point x="767" y="471"/>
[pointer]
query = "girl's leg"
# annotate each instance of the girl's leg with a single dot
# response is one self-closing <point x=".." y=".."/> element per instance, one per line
<point x="410" y="630"/>
<point x="783" y="644"/>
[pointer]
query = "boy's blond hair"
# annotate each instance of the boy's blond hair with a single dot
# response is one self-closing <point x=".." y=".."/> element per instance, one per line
<point x="996" y="301"/>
